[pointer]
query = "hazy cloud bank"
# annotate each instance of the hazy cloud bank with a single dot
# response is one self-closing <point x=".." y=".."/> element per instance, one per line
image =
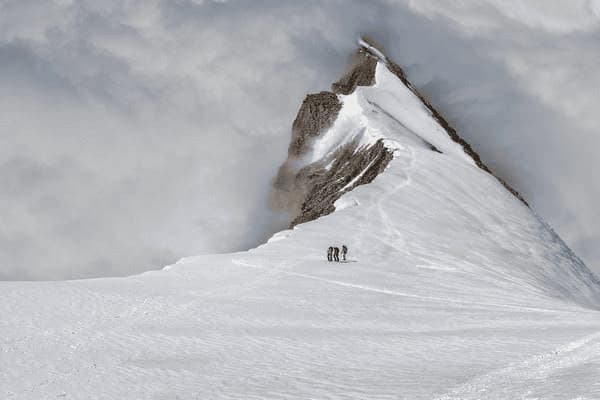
<point x="133" y="133"/>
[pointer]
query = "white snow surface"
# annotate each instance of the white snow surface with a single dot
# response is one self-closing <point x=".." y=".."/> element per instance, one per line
<point x="453" y="290"/>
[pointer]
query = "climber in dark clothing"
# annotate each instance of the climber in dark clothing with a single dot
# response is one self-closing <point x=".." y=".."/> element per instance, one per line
<point x="330" y="254"/>
<point x="336" y="254"/>
<point x="344" y="252"/>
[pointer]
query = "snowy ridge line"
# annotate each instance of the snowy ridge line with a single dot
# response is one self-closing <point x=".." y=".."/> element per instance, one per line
<point x="244" y="263"/>
<point x="380" y="109"/>
<point x="372" y="49"/>
<point x="434" y="114"/>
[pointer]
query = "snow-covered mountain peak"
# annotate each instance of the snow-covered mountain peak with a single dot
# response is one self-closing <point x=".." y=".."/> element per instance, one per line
<point x="345" y="137"/>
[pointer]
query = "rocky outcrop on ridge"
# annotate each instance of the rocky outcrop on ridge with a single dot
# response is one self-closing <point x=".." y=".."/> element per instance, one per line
<point x="317" y="113"/>
<point x="351" y="167"/>
<point x="361" y="73"/>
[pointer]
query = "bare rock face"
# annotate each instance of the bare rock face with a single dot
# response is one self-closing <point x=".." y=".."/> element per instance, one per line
<point x="361" y="73"/>
<point x="311" y="191"/>
<point x="317" y="113"/>
<point x="308" y="192"/>
<point x="351" y="167"/>
<point x="291" y="185"/>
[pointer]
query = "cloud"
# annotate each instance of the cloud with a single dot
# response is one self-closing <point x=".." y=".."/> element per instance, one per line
<point x="481" y="17"/>
<point x="134" y="133"/>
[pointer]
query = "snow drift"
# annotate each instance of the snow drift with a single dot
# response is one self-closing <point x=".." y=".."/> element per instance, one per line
<point x="453" y="289"/>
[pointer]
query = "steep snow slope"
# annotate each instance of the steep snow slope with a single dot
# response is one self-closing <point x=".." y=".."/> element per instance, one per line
<point x="454" y="289"/>
<point x="388" y="110"/>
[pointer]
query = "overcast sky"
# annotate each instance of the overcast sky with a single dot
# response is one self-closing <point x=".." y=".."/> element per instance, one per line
<point x="136" y="132"/>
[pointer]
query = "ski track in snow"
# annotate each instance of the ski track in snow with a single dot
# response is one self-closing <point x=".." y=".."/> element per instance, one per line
<point x="400" y="242"/>
<point x="519" y="380"/>
<point x="404" y="157"/>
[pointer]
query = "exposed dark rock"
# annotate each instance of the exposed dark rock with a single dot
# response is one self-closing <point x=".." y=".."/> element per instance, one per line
<point x="289" y="192"/>
<point x="361" y="73"/>
<point x="317" y="113"/>
<point x="312" y="191"/>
